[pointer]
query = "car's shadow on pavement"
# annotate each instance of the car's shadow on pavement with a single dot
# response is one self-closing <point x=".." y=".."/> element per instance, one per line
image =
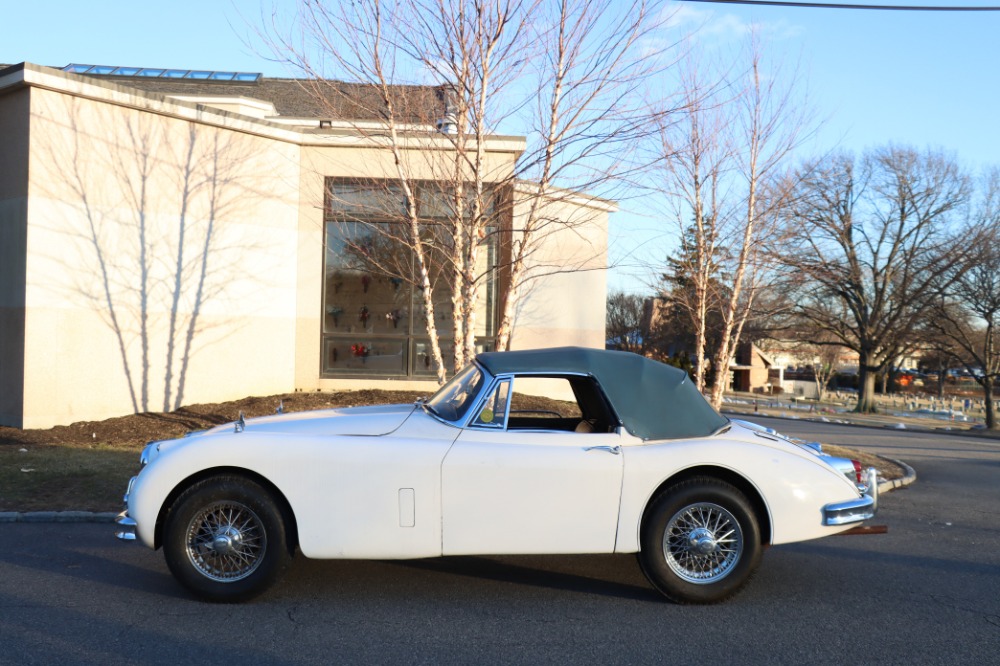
<point x="614" y="576"/>
<point x="604" y="575"/>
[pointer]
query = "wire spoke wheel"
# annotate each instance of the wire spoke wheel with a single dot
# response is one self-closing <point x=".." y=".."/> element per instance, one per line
<point x="225" y="538"/>
<point x="702" y="543"/>
<point x="226" y="541"/>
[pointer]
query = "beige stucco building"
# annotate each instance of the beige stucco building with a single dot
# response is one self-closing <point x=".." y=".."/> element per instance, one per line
<point x="169" y="241"/>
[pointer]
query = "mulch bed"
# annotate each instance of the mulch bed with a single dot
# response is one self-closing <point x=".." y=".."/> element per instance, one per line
<point x="138" y="429"/>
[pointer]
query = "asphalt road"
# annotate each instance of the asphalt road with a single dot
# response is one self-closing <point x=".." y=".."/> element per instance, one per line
<point x="928" y="592"/>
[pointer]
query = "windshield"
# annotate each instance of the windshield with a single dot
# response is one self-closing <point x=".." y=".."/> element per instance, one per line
<point x="453" y="400"/>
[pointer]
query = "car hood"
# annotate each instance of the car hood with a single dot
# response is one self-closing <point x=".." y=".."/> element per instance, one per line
<point x="751" y="428"/>
<point x="370" y="421"/>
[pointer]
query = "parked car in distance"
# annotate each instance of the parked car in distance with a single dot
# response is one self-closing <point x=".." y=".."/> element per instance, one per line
<point x="630" y="459"/>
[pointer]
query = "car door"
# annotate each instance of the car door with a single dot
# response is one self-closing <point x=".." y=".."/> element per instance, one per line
<point x="529" y="490"/>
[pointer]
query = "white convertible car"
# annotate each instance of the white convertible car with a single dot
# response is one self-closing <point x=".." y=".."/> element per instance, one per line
<point x="629" y="459"/>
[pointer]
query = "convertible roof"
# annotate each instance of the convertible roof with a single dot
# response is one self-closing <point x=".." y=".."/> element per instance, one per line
<point x="653" y="400"/>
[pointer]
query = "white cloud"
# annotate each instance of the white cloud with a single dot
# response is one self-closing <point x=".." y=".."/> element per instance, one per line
<point x="707" y="25"/>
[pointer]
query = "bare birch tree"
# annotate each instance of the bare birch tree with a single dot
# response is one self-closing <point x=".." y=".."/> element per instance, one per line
<point x="561" y="74"/>
<point x="694" y="158"/>
<point x="591" y="62"/>
<point x="770" y="123"/>
<point x="725" y="161"/>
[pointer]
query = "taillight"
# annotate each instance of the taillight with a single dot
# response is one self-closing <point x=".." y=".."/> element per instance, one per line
<point x="857" y="470"/>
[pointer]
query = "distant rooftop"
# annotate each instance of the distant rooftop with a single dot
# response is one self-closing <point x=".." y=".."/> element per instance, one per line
<point x="292" y="98"/>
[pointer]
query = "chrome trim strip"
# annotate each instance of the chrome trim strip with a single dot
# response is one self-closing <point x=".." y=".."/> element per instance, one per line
<point x="614" y="450"/>
<point x="750" y="425"/>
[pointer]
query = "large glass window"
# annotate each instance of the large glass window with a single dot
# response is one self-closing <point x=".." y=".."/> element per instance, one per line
<point x="374" y="315"/>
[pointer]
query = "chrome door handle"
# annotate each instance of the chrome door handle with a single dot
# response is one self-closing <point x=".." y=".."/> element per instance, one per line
<point x="615" y="450"/>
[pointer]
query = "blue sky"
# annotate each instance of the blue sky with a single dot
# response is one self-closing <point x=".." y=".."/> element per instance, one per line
<point x="925" y="79"/>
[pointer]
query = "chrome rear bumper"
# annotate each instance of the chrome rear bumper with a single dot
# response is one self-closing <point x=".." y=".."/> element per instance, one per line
<point x="855" y="511"/>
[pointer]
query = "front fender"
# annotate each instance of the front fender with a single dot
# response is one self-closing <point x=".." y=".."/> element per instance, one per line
<point x="178" y="462"/>
<point x="344" y="491"/>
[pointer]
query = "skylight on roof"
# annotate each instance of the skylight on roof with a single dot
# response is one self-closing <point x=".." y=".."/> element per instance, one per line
<point x="159" y="73"/>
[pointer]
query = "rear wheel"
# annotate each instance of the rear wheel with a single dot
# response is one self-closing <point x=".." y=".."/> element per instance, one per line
<point x="700" y="541"/>
<point x="225" y="539"/>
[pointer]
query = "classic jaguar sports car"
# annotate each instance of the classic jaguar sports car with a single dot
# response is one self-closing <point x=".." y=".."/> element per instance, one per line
<point x="626" y="457"/>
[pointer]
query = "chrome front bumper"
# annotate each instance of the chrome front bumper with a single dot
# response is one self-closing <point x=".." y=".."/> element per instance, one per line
<point x="855" y="511"/>
<point x="124" y="525"/>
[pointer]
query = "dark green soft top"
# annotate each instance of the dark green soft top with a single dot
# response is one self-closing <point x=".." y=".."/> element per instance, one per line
<point x="653" y="400"/>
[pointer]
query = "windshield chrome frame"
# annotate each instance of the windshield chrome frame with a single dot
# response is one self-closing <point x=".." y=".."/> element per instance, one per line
<point x="488" y="381"/>
<point x="473" y="414"/>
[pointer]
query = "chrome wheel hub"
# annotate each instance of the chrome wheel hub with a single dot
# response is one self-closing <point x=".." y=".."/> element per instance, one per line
<point x="702" y="543"/>
<point x="226" y="541"/>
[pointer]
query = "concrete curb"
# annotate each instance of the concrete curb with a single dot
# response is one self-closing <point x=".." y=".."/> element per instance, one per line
<point x="57" y="517"/>
<point x="909" y="477"/>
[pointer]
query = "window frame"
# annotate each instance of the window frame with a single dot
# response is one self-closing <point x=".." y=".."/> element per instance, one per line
<point x="495" y="388"/>
<point x="414" y="335"/>
<point x="614" y="421"/>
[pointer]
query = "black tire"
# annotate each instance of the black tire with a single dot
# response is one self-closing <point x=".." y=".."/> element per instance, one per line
<point x="700" y="541"/>
<point x="225" y="539"/>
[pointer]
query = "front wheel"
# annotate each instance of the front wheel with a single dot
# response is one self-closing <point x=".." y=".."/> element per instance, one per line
<point x="225" y="539"/>
<point x="700" y="541"/>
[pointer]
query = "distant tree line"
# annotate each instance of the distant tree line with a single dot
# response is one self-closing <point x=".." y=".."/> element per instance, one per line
<point x="885" y="254"/>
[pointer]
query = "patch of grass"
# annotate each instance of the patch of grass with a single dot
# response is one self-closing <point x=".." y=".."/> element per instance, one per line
<point x="887" y="469"/>
<point x="60" y="478"/>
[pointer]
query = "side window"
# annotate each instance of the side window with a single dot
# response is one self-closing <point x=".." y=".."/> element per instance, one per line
<point x="536" y="401"/>
<point x="568" y="404"/>
<point x="494" y="410"/>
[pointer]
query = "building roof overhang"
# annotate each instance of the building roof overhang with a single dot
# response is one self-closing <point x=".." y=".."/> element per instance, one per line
<point x="347" y="134"/>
